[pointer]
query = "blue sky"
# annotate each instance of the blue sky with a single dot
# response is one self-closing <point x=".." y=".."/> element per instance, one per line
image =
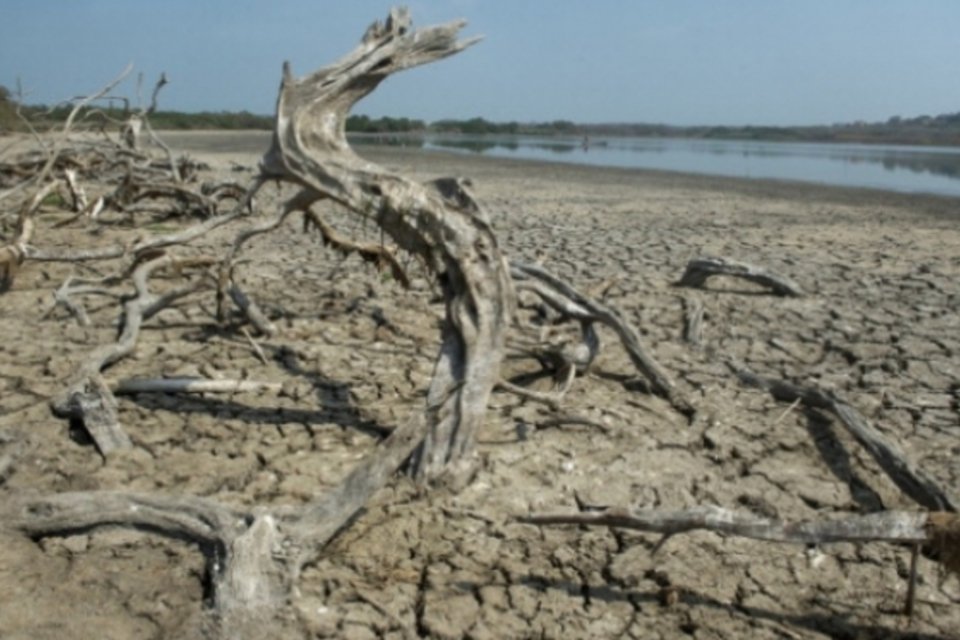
<point x="765" y="62"/>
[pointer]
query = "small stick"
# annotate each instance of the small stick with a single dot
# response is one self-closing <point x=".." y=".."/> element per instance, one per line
<point x="193" y="385"/>
<point x="549" y="399"/>
<point x="253" y="343"/>
<point x="786" y="411"/>
<point x="912" y="582"/>
<point x="253" y="312"/>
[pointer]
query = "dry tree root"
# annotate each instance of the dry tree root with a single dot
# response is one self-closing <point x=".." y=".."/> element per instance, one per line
<point x="559" y="295"/>
<point x="381" y="256"/>
<point x="13" y="254"/>
<point x="255" y="555"/>
<point x="193" y="385"/>
<point x="445" y="230"/>
<point x="258" y="554"/>
<point x="700" y="269"/>
<point x="88" y="398"/>
<point x="136" y="176"/>
<point x="939" y="530"/>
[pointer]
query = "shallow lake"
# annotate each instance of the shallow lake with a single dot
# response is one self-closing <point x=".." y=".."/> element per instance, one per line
<point x="890" y="167"/>
<point x="897" y="168"/>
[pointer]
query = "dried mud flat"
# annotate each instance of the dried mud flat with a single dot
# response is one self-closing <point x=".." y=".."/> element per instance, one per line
<point x="354" y="355"/>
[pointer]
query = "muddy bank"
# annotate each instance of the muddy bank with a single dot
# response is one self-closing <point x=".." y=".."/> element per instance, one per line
<point x="353" y="357"/>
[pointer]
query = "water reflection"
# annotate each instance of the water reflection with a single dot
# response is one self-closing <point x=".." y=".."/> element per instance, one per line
<point x="898" y="168"/>
<point x="389" y="140"/>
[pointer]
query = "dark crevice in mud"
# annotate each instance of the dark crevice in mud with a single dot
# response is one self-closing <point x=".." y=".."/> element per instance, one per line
<point x="420" y="604"/>
<point x="214" y="555"/>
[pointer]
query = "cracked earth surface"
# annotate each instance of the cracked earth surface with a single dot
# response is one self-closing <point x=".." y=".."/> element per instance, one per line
<point x="354" y="354"/>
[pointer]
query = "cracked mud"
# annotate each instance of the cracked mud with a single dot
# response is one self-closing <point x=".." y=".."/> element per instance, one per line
<point x="354" y="355"/>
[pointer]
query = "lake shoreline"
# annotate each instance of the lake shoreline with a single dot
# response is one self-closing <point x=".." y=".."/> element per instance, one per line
<point x="246" y="147"/>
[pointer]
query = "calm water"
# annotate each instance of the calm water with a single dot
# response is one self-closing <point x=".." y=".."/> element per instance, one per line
<point x="896" y="168"/>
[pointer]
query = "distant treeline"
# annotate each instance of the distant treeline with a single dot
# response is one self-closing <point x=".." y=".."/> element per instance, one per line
<point x="923" y="130"/>
<point x="481" y="126"/>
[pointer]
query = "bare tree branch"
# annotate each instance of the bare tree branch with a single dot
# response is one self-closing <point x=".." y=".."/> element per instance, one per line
<point x="912" y="480"/>
<point x="888" y="526"/>
<point x="700" y="269"/>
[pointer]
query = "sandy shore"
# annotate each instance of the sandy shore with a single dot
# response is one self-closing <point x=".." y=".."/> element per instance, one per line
<point x="245" y="147"/>
<point x="878" y="326"/>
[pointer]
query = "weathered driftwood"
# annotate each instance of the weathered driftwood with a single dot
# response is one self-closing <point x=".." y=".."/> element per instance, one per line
<point x="905" y="474"/>
<point x="888" y="526"/>
<point x="310" y="149"/>
<point x="137" y="177"/>
<point x="381" y="256"/>
<point x="567" y="300"/>
<point x="140" y="121"/>
<point x="66" y="294"/>
<point x="88" y="398"/>
<point x="149" y="245"/>
<point x="256" y="554"/>
<point x="253" y="556"/>
<point x="33" y="170"/>
<point x="939" y="531"/>
<point x="434" y="221"/>
<point x="193" y="385"/>
<point x="13" y="254"/>
<point x="252" y="311"/>
<point x="78" y="196"/>
<point x="551" y="400"/>
<point x="700" y="269"/>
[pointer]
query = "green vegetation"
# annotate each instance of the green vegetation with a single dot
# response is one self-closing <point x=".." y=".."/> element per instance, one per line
<point x="43" y="117"/>
<point x="475" y="126"/>
<point x="365" y="124"/>
<point x="923" y="130"/>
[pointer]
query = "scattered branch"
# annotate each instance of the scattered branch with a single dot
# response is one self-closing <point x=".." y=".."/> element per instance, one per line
<point x="700" y="269"/>
<point x="87" y="397"/>
<point x="194" y="385"/>
<point x="939" y="531"/>
<point x="564" y="298"/>
<point x="889" y="526"/>
<point x="911" y="479"/>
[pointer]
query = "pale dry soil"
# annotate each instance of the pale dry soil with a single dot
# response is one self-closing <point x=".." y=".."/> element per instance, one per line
<point x="354" y="355"/>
